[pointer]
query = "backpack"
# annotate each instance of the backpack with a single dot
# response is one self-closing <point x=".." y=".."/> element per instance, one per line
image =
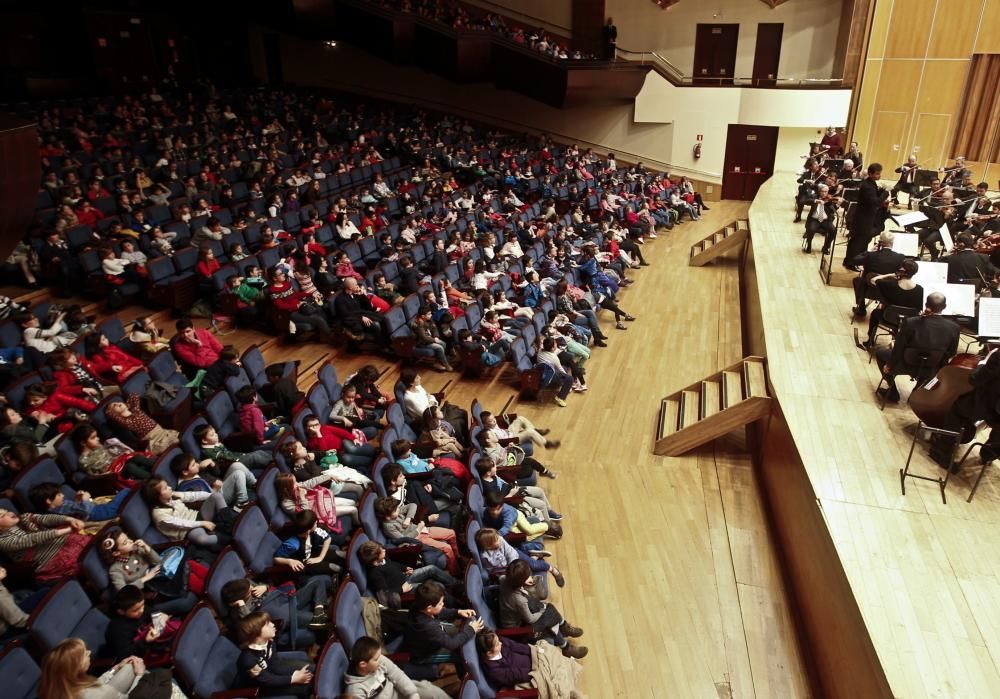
<point x="158" y="395"/>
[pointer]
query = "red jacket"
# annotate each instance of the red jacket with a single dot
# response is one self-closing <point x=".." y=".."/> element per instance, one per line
<point x="332" y="439"/>
<point x="100" y="364"/>
<point x="252" y="420"/>
<point x="68" y="383"/>
<point x="201" y="356"/>
<point x="207" y="269"/>
<point x="59" y="402"/>
<point x="285" y="297"/>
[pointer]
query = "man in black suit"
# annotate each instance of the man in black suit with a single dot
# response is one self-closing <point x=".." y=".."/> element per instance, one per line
<point x="966" y="265"/>
<point x="357" y="315"/>
<point x="610" y="33"/>
<point x="931" y="332"/>
<point x="883" y="260"/>
<point x="866" y="214"/>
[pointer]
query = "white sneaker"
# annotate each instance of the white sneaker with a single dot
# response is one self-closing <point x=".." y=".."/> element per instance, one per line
<point x="653" y="235"/>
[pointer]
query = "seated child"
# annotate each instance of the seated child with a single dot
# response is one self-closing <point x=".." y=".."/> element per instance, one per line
<point x="261" y="666"/>
<point x="397" y="523"/>
<point x="49" y="498"/>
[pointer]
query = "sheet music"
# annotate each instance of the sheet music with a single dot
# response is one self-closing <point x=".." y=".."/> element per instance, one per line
<point x="961" y="298"/>
<point x="929" y="273"/>
<point x="946" y="237"/>
<point x="989" y="317"/>
<point x="906" y="243"/>
<point x="909" y="218"/>
<point x="972" y="207"/>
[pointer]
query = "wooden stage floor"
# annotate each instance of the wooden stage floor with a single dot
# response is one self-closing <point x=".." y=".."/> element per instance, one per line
<point x="923" y="573"/>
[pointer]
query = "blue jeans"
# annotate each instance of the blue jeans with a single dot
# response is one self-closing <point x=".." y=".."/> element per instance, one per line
<point x="358" y="456"/>
<point x="425" y="573"/>
<point x="177" y="607"/>
<point x="563" y="382"/>
<point x="537" y="565"/>
<point x="234" y="487"/>
<point x="109" y="510"/>
<point x="271" y="431"/>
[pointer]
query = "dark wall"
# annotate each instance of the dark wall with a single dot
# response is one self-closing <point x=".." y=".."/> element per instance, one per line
<point x="18" y="180"/>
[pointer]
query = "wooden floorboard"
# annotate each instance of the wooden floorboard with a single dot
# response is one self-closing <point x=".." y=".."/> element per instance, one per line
<point x="924" y="573"/>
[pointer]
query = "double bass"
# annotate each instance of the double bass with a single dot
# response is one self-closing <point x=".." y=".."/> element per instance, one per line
<point x="932" y="401"/>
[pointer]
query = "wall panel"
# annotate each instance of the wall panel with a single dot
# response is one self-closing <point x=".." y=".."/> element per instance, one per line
<point x="954" y="31"/>
<point x="931" y="136"/>
<point x="908" y="25"/>
<point x="888" y="138"/>
<point x="928" y="47"/>
<point x="988" y="40"/>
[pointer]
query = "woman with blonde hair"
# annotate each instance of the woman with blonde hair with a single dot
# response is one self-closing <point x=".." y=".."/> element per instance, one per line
<point x="64" y="674"/>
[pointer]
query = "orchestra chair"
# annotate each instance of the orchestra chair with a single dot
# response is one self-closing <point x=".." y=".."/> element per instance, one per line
<point x="888" y="326"/>
<point x="926" y="363"/>
<point x="982" y="470"/>
<point x="942" y="483"/>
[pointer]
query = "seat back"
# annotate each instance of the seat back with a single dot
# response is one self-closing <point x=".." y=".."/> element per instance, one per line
<point x="221" y="414"/>
<point x="377" y="469"/>
<point x="253" y="539"/>
<point x="477" y="411"/>
<point x="45" y="470"/>
<point x="299" y="424"/>
<point x="318" y="401"/>
<point x="474" y="501"/>
<point x="228" y="566"/>
<point x="347" y="607"/>
<point x="188" y="441"/>
<point x="355" y="565"/>
<point x="395" y="415"/>
<point x="267" y="498"/>
<point x="254" y="365"/>
<point x="469" y="689"/>
<point x="67" y="612"/>
<point x="474" y="591"/>
<point x="20" y="673"/>
<point x="327" y="376"/>
<point x="922" y="364"/>
<point x="331" y="666"/>
<point x="471" y="529"/>
<point x="162" y="365"/>
<point x="477" y="677"/>
<point x="369" y="522"/>
<point x="137" y="520"/>
<point x="204" y="659"/>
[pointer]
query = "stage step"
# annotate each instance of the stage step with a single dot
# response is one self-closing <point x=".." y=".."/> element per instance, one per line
<point x="716" y="405"/>
<point x="732" y="237"/>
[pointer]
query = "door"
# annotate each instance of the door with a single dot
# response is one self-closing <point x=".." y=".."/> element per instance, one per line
<point x="715" y="53"/>
<point x="886" y="143"/>
<point x="767" y="54"/>
<point x="749" y="160"/>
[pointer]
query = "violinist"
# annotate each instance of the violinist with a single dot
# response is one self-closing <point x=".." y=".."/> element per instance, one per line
<point x="987" y="226"/>
<point x="882" y="260"/>
<point x="966" y="265"/>
<point x="928" y="332"/>
<point x="907" y="180"/>
<point x="872" y="200"/>
<point x="984" y="205"/>
<point x="894" y="289"/>
<point x="955" y="175"/>
<point x="807" y="187"/>
<point x="982" y="403"/>
<point x="848" y="171"/>
<point x="855" y="156"/>
<point x="822" y="217"/>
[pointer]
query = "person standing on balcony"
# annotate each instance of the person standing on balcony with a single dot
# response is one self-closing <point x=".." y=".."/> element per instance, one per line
<point x="610" y="39"/>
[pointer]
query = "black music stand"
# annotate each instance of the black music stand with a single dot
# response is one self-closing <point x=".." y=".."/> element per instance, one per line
<point x="925" y="177"/>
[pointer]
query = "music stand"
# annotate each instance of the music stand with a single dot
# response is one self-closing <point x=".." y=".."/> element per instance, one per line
<point x="925" y="177"/>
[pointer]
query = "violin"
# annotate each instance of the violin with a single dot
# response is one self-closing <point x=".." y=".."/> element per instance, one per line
<point x="932" y="401"/>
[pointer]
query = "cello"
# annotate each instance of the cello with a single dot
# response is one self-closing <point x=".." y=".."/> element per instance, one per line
<point x="932" y="401"/>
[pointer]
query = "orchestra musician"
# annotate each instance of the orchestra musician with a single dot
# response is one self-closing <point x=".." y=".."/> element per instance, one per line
<point x="874" y="263"/>
<point x="871" y="200"/>
<point x="894" y="289"/>
<point x="855" y="156"/>
<point x="930" y="332"/>
<point x="982" y="403"/>
<point x="907" y="180"/>
<point x="966" y="265"/>
<point x="822" y="217"/>
<point x="987" y="228"/>
<point x="831" y="141"/>
<point x="807" y="187"/>
<point x="848" y="171"/>
<point x="955" y="175"/>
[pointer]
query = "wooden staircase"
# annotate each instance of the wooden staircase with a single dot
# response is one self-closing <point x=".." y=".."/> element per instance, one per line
<point x="719" y="243"/>
<point x="713" y="407"/>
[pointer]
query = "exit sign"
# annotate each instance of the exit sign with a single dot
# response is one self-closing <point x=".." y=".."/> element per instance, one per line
<point x="700" y="137"/>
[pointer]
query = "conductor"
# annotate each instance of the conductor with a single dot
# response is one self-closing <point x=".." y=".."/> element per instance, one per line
<point x="871" y="199"/>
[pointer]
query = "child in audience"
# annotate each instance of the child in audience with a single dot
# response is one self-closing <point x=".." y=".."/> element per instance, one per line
<point x="201" y="476"/>
<point x="351" y="446"/>
<point x="308" y="550"/>
<point x="49" y="498"/>
<point x="97" y="459"/>
<point x="348" y="414"/>
<point x="397" y="523"/>
<point x="175" y="520"/>
<point x="243" y="597"/>
<point x="134" y="562"/>
<point x="496" y="554"/>
<point x="430" y="642"/>
<point x="133" y="630"/>
<point x="520" y="606"/>
<point x="505" y="518"/>
<point x="372" y="675"/>
<point x="50" y="545"/>
<point x="259" y="665"/>
<point x="252" y="419"/>
<point x="388" y="579"/>
<point x="445" y="473"/>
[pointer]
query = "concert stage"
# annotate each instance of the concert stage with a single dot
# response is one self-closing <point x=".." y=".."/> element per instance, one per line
<point x="898" y="595"/>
